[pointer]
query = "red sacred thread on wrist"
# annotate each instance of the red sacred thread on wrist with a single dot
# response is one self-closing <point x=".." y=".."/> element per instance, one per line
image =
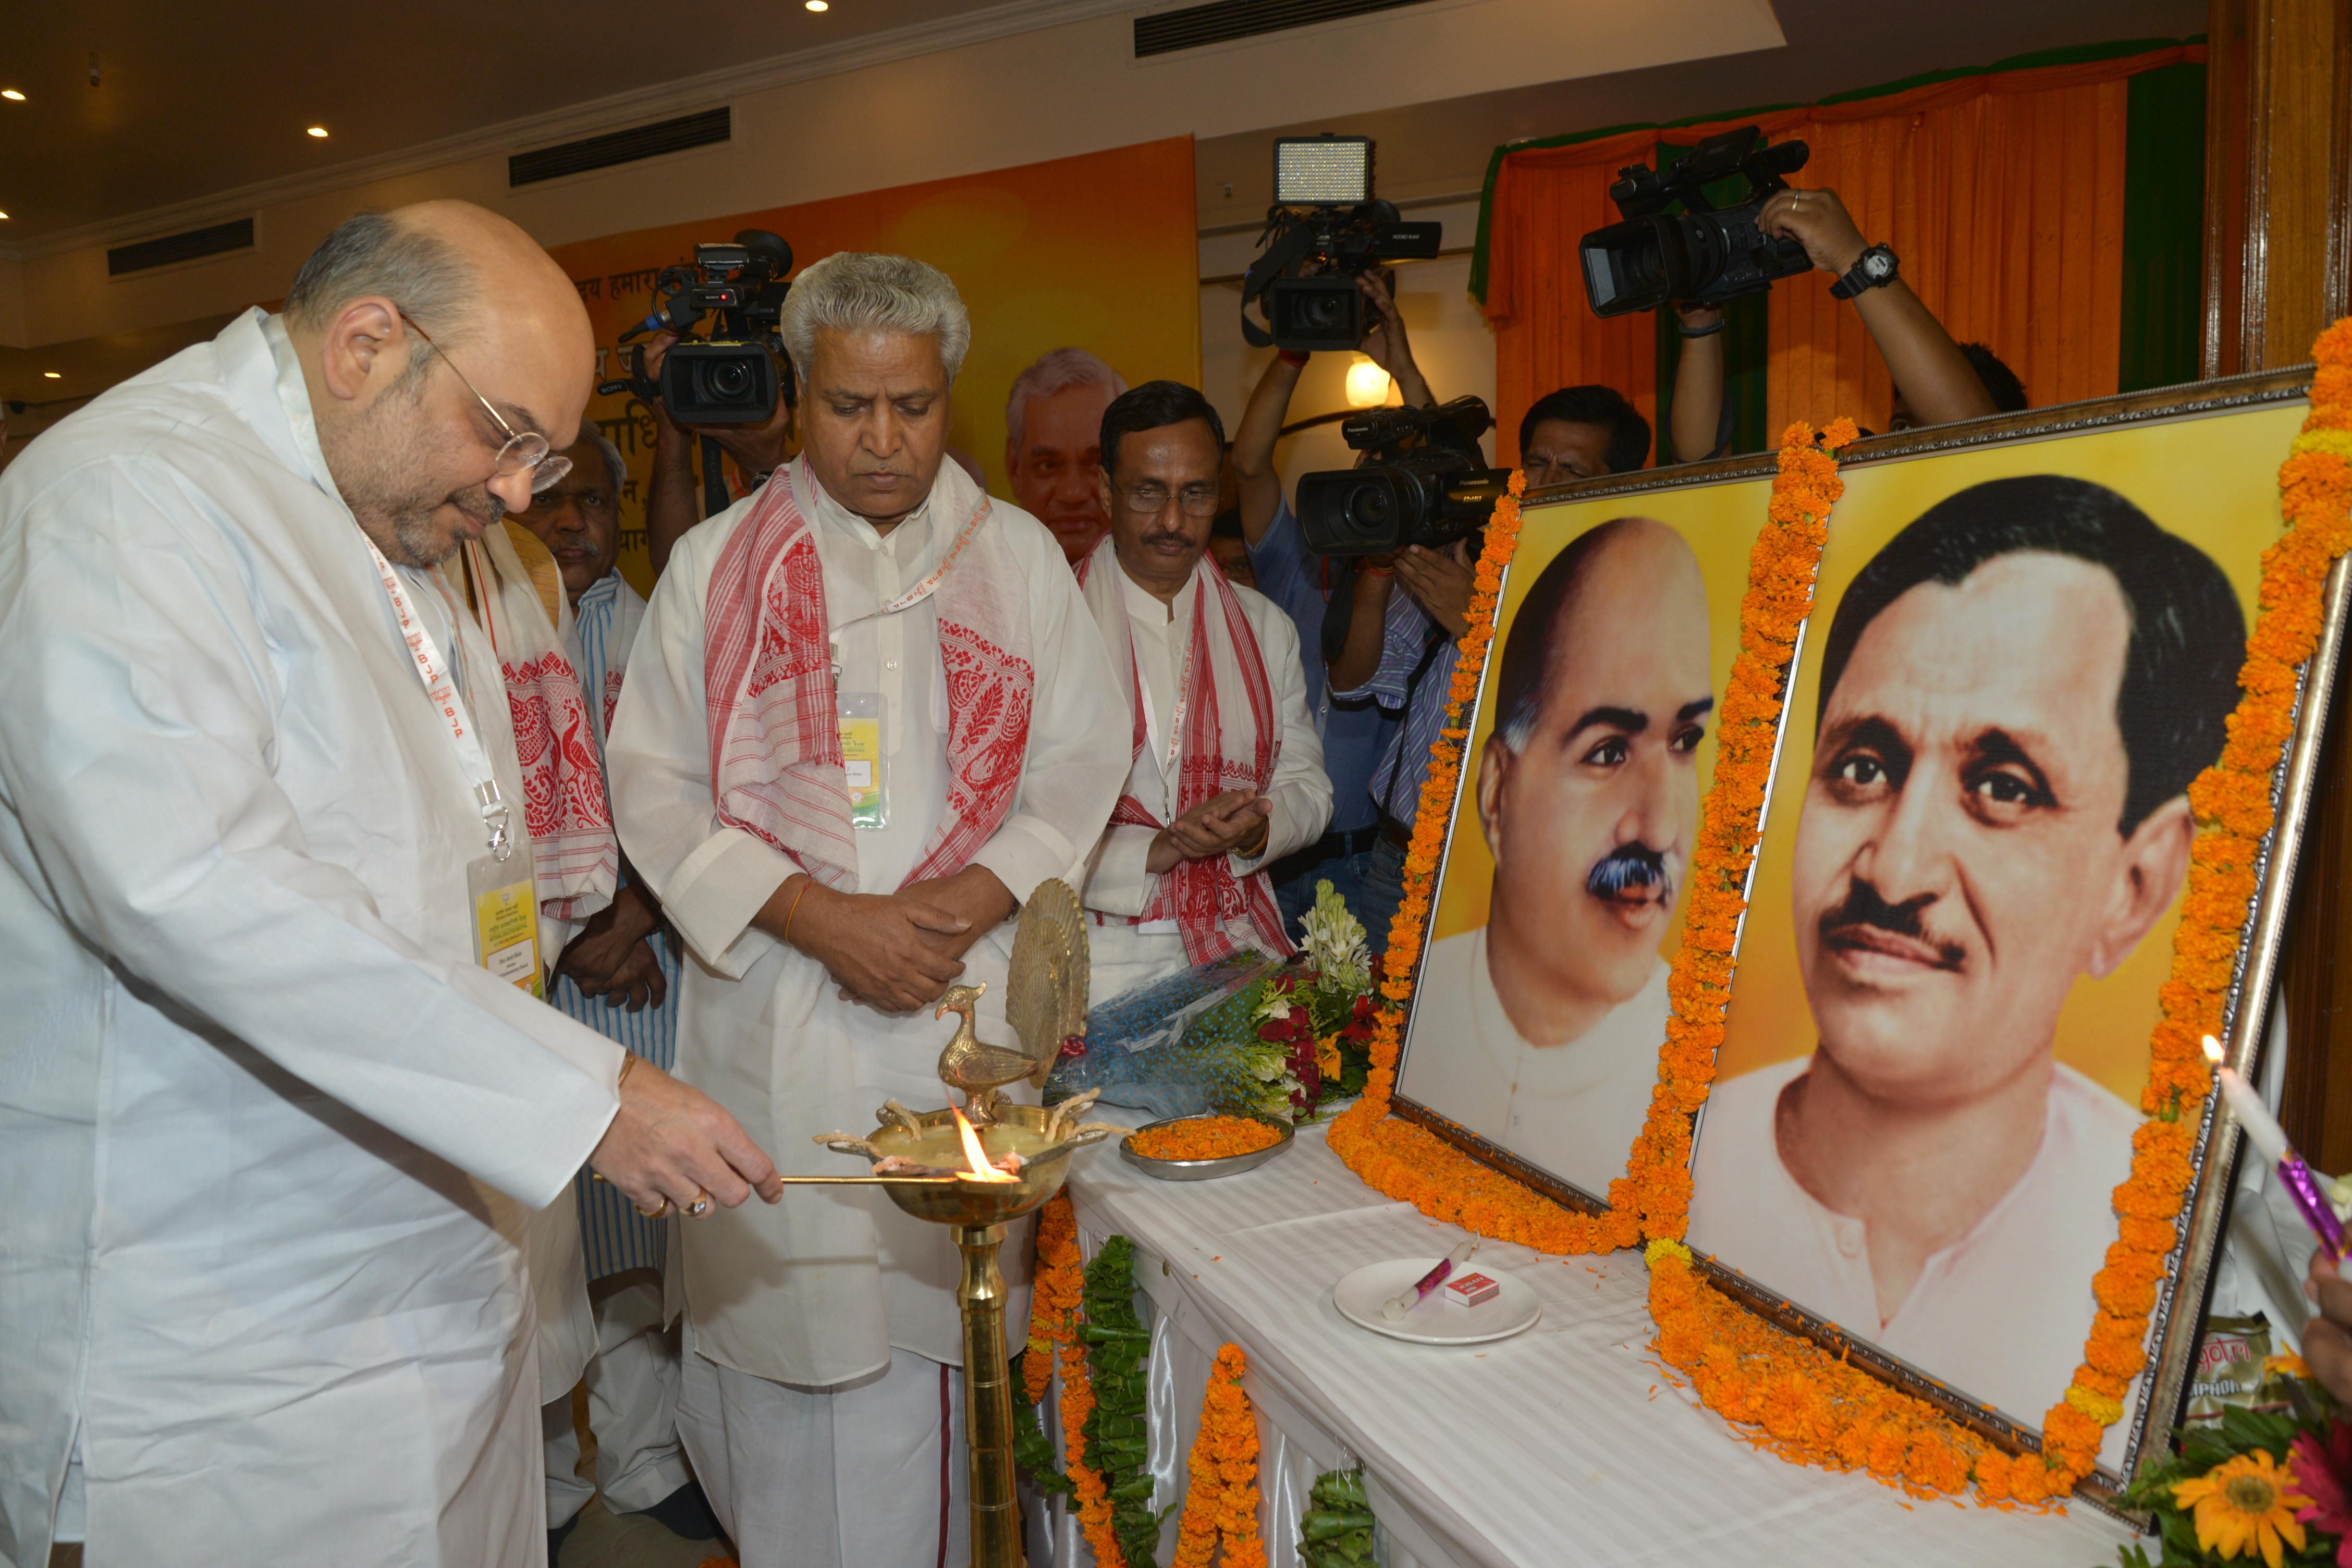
<point x="1293" y="358"/>
<point x="1380" y="571"/>
<point x="796" y="909"/>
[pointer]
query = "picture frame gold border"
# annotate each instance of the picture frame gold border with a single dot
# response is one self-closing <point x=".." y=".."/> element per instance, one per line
<point x="2173" y="1332"/>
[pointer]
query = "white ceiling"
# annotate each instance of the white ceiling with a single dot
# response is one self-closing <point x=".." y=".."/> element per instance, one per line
<point x="190" y="103"/>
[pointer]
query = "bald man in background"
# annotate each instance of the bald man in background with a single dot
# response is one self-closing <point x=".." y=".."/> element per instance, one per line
<point x="1548" y="1017"/>
<point x="274" y="1102"/>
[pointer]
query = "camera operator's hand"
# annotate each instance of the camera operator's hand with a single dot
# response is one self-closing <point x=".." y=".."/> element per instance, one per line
<point x="1439" y="582"/>
<point x="1931" y="375"/>
<point x="1386" y="346"/>
<point x="1818" y="221"/>
<point x="1696" y="416"/>
<point x="756" y="449"/>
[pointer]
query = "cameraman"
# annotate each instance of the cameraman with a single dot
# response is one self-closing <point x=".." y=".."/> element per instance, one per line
<point x="1573" y="433"/>
<point x="1356" y="732"/>
<point x="1937" y="381"/>
<point x="671" y="505"/>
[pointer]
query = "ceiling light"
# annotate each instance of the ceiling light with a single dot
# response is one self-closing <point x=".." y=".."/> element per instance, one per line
<point x="817" y="5"/>
<point x="53" y="375"/>
<point x="320" y="132"/>
<point x="3" y="217"/>
<point x="12" y="95"/>
<point x="1368" y="385"/>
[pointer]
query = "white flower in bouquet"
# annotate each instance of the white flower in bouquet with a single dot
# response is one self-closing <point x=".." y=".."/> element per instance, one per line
<point x="1335" y="942"/>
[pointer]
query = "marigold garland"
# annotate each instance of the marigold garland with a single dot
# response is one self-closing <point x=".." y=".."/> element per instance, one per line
<point x="1054" y="1322"/>
<point x="1652" y="1198"/>
<point x="1221" y="1499"/>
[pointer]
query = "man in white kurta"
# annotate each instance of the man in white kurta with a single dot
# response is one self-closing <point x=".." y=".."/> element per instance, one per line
<point x="1225" y="773"/>
<point x="907" y="724"/>
<point x="268" y="1128"/>
<point x="1539" y="1030"/>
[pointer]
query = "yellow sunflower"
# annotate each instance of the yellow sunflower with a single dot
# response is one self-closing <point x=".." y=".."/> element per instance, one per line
<point x="2241" y="1504"/>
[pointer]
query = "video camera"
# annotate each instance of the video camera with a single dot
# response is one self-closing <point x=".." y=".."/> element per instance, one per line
<point x="1703" y="255"/>
<point x="1325" y="221"/>
<point x="732" y="377"/>
<point x="1428" y="483"/>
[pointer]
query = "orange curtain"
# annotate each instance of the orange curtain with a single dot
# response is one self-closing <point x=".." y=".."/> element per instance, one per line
<point x="2002" y="193"/>
<point x="1545" y="336"/>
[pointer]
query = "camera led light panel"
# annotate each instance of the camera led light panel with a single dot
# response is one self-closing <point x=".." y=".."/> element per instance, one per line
<point x="1322" y="170"/>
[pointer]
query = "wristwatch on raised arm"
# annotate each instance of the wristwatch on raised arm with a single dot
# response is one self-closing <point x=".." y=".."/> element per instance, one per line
<point x="1874" y="269"/>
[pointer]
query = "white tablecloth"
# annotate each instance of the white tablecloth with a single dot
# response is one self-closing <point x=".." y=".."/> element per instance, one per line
<point x="1567" y="1445"/>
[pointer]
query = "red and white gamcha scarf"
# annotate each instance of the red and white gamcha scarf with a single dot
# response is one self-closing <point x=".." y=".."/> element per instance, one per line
<point x="575" y="856"/>
<point x="775" y="735"/>
<point x="1226" y="734"/>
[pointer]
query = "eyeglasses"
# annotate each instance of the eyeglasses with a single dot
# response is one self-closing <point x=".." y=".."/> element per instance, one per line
<point x="1151" y="499"/>
<point x="523" y="448"/>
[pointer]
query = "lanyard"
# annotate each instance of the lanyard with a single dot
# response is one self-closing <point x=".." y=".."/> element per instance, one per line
<point x="1183" y="693"/>
<point x="442" y="690"/>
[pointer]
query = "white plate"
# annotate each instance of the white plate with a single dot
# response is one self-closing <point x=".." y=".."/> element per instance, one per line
<point x="1433" y="1322"/>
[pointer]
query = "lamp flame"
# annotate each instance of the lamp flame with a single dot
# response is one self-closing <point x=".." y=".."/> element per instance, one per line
<point x="2213" y="1050"/>
<point x="975" y="1154"/>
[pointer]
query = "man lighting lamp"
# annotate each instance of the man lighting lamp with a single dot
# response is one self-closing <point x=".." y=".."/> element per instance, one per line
<point x="1540" y="1030"/>
<point x="864" y="719"/>
<point x="1227" y="772"/>
<point x="2015" y="694"/>
<point x="272" y="1125"/>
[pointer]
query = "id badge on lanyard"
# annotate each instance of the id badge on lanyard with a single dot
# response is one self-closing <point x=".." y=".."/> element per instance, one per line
<point x="864" y="770"/>
<point x="501" y="893"/>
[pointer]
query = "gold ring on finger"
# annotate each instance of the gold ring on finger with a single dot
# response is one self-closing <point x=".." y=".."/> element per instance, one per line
<point x="701" y="1204"/>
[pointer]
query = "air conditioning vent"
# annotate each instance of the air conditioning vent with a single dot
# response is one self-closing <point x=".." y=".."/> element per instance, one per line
<point x="620" y="147"/>
<point x="1165" y="32"/>
<point x="147" y="254"/>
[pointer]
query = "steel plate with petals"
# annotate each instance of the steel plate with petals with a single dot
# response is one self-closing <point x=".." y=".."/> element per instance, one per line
<point x="1202" y="1170"/>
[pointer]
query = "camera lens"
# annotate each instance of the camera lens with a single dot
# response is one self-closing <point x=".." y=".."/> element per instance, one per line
<point x="1369" y="507"/>
<point x="727" y="380"/>
<point x="1326" y="311"/>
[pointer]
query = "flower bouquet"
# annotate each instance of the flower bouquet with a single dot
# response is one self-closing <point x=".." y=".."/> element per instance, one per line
<point x="2267" y="1483"/>
<point x="1244" y="1035"/>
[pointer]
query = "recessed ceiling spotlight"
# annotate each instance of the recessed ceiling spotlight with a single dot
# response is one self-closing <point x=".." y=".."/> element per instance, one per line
<point x="817" y="5"/>
<point x="12" y="95"/>
<point x="317" y="130"/>
<point x="3" y="217"/>
<point x="53" y="375"/>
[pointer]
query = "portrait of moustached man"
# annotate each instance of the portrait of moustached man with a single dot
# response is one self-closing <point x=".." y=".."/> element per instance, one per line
<point x="2014" y="696"/>
<point x="1539" y="1030"/>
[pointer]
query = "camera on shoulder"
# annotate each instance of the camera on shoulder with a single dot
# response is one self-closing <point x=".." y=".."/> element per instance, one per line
<point x="1427" y="482"/>
<point x="736" y="375"/>
<point x="1324" y="230"/>
<point x="1705" y="254"/>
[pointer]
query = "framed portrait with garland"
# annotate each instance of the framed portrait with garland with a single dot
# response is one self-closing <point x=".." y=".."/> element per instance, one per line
<point x="1827" y="881"/>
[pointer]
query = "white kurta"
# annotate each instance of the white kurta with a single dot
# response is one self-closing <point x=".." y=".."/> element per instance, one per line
<point x="267" y="1132"/>
<point x="2001" y="1313"/>
<point x="1572" y="1108"/>
<point x="1119" y="882"/>
<point x="817" y="1290"/>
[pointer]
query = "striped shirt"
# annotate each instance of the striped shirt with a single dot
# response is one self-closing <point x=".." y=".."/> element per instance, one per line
<point x="1415" y="672"/>
<point x="613" y="1234"/>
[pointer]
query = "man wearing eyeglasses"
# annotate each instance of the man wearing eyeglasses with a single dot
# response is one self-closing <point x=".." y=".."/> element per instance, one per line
<point x="276" y="1093"/>
<point x="1227" y="775"/>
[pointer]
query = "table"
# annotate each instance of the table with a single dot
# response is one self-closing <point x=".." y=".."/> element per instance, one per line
<point x="1567" y="1445"/>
